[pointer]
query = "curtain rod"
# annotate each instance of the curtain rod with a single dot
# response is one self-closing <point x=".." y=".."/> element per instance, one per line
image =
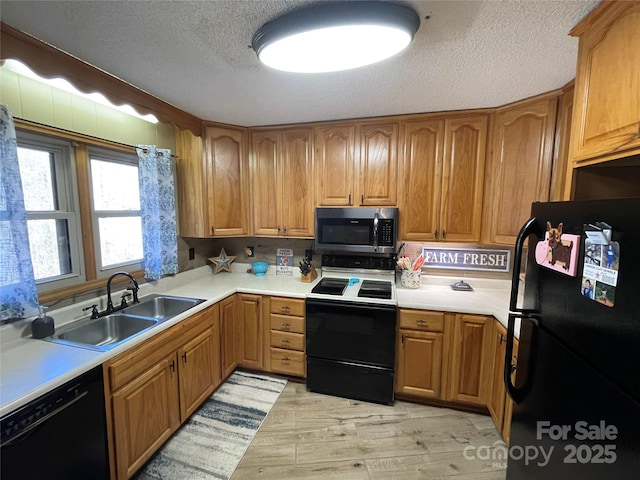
<point x="145" y="150"/>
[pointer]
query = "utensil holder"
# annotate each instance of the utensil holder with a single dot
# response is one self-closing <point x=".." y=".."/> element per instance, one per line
<point x="410" y="278"/>
<point x="311" y="276"/>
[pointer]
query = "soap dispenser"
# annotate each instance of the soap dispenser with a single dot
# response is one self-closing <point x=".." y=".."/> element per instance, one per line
<point x="42" y="326"/>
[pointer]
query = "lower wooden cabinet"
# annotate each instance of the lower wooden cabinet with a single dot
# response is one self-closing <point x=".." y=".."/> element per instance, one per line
<point x="286" y="336"/>
<point x="250" y="331"/>
<point x="500" y="404"/>
<point x="497" y="391"/>
<point x="197" y="372"/>
<point x="420" y="363"/>
<point x="444" y="356"/>
<point x="420" y="348"/>
<point x="145" y="415"/>
<point x="228" y="357"/>
<point x="152" y="388"/>
<point x="470" y="359"/>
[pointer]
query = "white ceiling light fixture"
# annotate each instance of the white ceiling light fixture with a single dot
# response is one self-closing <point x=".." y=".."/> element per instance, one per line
<point x="331" y="37"/>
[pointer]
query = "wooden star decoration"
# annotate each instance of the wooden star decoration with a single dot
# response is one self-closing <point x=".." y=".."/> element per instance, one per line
<point x="222" y="261"/>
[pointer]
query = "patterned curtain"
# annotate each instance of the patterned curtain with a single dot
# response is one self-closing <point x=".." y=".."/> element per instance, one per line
<point x="158" y="210"/>
<point x="18" y="293"/>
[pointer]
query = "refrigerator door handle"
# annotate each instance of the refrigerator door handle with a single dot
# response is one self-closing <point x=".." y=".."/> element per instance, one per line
<point x="518" y="393"/>
<point x="530" y="227"/>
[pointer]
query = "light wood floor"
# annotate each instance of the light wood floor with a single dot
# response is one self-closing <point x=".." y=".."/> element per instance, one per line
<point x="312" y="436"/>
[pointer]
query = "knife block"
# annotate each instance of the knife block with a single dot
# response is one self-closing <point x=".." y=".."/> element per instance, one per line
<point x="311" y="276"/>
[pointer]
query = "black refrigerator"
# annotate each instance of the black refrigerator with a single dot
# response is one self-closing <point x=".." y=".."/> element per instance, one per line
<point x="577" y="384"/>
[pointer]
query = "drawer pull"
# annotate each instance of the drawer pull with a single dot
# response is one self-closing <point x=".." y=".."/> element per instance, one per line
<point x="285" y="359"/>
<point x="286" y="308"/>
<point x="421" y="322"/>
<point x="286" y="341"/>
<point x="286" y="326"/>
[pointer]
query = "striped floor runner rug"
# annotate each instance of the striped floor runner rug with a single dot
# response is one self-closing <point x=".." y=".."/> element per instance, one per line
<point x="212" y="442"/>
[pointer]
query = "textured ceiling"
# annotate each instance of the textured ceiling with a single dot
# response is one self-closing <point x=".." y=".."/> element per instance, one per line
<point x="196" y="55"/>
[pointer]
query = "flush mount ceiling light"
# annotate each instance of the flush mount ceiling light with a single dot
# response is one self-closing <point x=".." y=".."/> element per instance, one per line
<point x="330" y="37"/>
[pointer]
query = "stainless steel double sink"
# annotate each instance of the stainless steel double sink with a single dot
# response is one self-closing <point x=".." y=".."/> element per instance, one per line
<point x="112" y="330"/>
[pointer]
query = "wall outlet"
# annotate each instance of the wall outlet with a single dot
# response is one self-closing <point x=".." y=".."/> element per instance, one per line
<point x="192" y="253"/>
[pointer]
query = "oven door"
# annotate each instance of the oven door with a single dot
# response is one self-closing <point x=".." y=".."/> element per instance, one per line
<point x="351" y="332"/>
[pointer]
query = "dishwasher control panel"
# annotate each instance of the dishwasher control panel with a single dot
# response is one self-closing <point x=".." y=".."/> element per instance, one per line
<point x="28" y="417"/>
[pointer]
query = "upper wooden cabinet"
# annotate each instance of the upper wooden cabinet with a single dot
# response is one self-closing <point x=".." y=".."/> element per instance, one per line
<point x="190" y="185"/>
<point x="227" y="174"/>
<point x="441" y="178"/>
<point x="335" y="159"/>
<point x="282" y="173"/>
<point x="378" y="173"/>
<point x="606" y="116"/>
<point x="520" y="168"/>
<point x="420" y="179"/>
<point x="212" y="183"/>
<point x="357" y="164"/>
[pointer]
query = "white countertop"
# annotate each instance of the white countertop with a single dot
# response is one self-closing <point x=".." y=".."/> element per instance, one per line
<point x="29" y="368"/>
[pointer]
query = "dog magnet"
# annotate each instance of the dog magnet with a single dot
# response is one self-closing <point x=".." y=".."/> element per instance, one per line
<point x="558" y="251"/>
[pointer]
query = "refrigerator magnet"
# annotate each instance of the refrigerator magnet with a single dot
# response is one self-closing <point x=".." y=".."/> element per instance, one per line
<point x="600" y="272"/>
<point x="558" y="251"/>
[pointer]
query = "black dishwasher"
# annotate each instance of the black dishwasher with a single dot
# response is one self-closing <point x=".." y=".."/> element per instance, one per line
<point x="61" y="435"/>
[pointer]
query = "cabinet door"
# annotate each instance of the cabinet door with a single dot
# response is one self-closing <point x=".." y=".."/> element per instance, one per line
<point x="465" y="145"/>
<point x="228" y="336"/>
<point x="497" y="392"/>
<point x="420" y="174"/>
<point x="521" y="165"/>
<point x="217" y="346"/>
<point x="419" y="363"/>
<point x="470" y="359"/>
<point x="251" y="331"/>
<point x="561" y="177"/>
<point x="190" y="186"/>
<point x="145" y="414"/>
<point x="227" y="171"/>
<point x="378" y="164"/>
<point x="297" y="183"/>
<point x="267" y="193"/>
<point x="606" y="116"/>
<point x="196" y="370"/>
<point x="335" y="158"/>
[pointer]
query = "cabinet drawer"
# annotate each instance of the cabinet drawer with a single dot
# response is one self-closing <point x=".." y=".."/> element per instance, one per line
<point x="421" y="320"/>
<point x="287" y="340"/>
<point x="287" y="361"/>
<point x="287" y="306"/>
<point x="286" y="323"/>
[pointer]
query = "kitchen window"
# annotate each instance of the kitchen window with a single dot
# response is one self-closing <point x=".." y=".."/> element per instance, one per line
<point x="117" y="224"/>
<point x="83" y="209"/>
<point x="51" y="203"/>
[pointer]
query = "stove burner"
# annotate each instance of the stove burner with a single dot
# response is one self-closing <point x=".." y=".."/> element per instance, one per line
<point x="375" y="289"/>
<point x="331" y="286"/>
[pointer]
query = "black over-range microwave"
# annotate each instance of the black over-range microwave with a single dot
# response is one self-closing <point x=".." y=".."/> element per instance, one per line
<point x="356" y="230"/>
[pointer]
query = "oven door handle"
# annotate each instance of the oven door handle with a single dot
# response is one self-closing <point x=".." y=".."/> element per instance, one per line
<point x="375" y="232"/>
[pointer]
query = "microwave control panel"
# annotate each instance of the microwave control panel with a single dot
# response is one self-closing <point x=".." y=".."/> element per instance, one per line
<point x="385" y="232"/>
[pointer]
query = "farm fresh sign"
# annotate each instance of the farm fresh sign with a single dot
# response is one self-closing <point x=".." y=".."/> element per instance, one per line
<point x="467" y="258"/>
